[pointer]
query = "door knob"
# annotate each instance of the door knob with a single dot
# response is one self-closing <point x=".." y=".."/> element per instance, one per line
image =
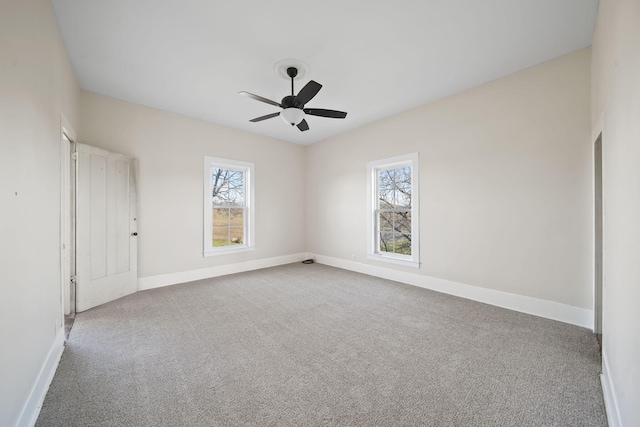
<point x="135" y="233"/>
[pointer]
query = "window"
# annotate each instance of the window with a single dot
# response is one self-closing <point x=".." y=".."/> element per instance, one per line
<point x="393" y="201"/>
<point x="228" y="206"/>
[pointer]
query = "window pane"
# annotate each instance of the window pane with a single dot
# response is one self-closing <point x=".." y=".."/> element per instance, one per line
<point x="394" y="232"/>
<point x="402" y="244"/>
<point x="236" y="188"/>
<point x="402" y="222"/>
<point x="386" y="241"/>
<point x="236" y="222"/>
<point x="227" y="187"/>
<point x="220" y="217"/>
<point x="237" y="235"/>
<point x="385" y="188"/>
<point x="218" y="184"/>
<point x="402" y="187"/>
<point x="228" y="226"/>
<point x="220" y="236"/>
<point x="385" y="231"/>
<point x="236" y="217"/>
<point x="385" y="221"/>
<point x="394" y="188"/>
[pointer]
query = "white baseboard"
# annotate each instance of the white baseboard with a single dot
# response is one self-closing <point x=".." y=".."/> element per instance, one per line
<point x="610" y="401"/>
<point x="161" y="280"/>
<point x="538" y="307"/>
<point x="32" y="406"/>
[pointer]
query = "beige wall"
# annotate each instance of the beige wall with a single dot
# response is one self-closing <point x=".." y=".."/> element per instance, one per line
<point x="616" y="98"/>
<point x="505" y="180"/>
<point x="36" y="86"/>
<point x="170" y="150"/>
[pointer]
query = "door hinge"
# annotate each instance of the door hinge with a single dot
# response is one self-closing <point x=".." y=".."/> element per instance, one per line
<point x="74" y="155"/>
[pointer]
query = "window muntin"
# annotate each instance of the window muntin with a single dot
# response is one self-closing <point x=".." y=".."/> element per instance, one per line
<point x="393" y="202"/>
<point x="228" y="206"/>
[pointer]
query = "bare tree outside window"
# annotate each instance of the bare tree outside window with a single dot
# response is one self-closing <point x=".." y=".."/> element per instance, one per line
<point x="393" y="215"/>
<point x="228" y="199"/>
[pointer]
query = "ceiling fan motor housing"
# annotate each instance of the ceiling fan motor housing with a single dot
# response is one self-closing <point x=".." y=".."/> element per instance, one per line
<point x="289" y="101"/>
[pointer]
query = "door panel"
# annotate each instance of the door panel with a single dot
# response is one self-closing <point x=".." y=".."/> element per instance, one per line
<point x="122" y="234"/>
<point x="106" y="223"/>
<point x="97" y="215"/>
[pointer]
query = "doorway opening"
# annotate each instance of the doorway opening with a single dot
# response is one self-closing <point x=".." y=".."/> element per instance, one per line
<point x="67" y="225"/>
<point x="598" y="239"/>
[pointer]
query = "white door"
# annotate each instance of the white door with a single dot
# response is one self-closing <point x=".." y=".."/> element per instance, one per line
<point x="106" y="242"/>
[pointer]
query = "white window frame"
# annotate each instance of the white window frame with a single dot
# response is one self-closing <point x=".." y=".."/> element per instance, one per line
<point x="373" y="238"/>
<point x="249" y="223"/>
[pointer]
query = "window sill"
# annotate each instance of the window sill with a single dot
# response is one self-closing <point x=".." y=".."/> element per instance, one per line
<point x="228" y="251"/>
<point x="394" y="260"/>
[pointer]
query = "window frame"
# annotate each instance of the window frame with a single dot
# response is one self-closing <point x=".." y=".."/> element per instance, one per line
<point x="373" y="236"/>
<point x="249" y="197"/>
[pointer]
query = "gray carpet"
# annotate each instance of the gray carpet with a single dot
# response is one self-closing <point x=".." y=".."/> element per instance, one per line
<point x="311" y="345"/>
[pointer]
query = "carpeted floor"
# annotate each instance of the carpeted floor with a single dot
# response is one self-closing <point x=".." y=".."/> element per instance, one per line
<point x="311" y="345"/>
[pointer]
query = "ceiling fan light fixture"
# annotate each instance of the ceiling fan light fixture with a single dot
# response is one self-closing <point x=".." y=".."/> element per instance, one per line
<point x="292" y="116"/>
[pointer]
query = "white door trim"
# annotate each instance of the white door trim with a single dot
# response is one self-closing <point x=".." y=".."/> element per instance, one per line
<point x="67" y="137"/>
<point x="598" y="132"/>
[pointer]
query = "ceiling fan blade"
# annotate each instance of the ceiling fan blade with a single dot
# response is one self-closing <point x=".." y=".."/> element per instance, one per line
<point x="259" y="98"/>
<point x="261" y="118"/>
<point x="325" y="113"/>
<point x="307" y="93"/>
<point x="303" y="125"/>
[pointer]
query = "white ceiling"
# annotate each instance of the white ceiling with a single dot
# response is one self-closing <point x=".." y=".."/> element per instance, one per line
<point x="374" y="58"/>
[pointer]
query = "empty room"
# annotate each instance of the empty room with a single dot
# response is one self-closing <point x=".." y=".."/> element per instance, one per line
<point x="409" y="213"/>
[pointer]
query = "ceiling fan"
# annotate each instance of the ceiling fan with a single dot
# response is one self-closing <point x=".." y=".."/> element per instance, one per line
<point x="293" y="112"/>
